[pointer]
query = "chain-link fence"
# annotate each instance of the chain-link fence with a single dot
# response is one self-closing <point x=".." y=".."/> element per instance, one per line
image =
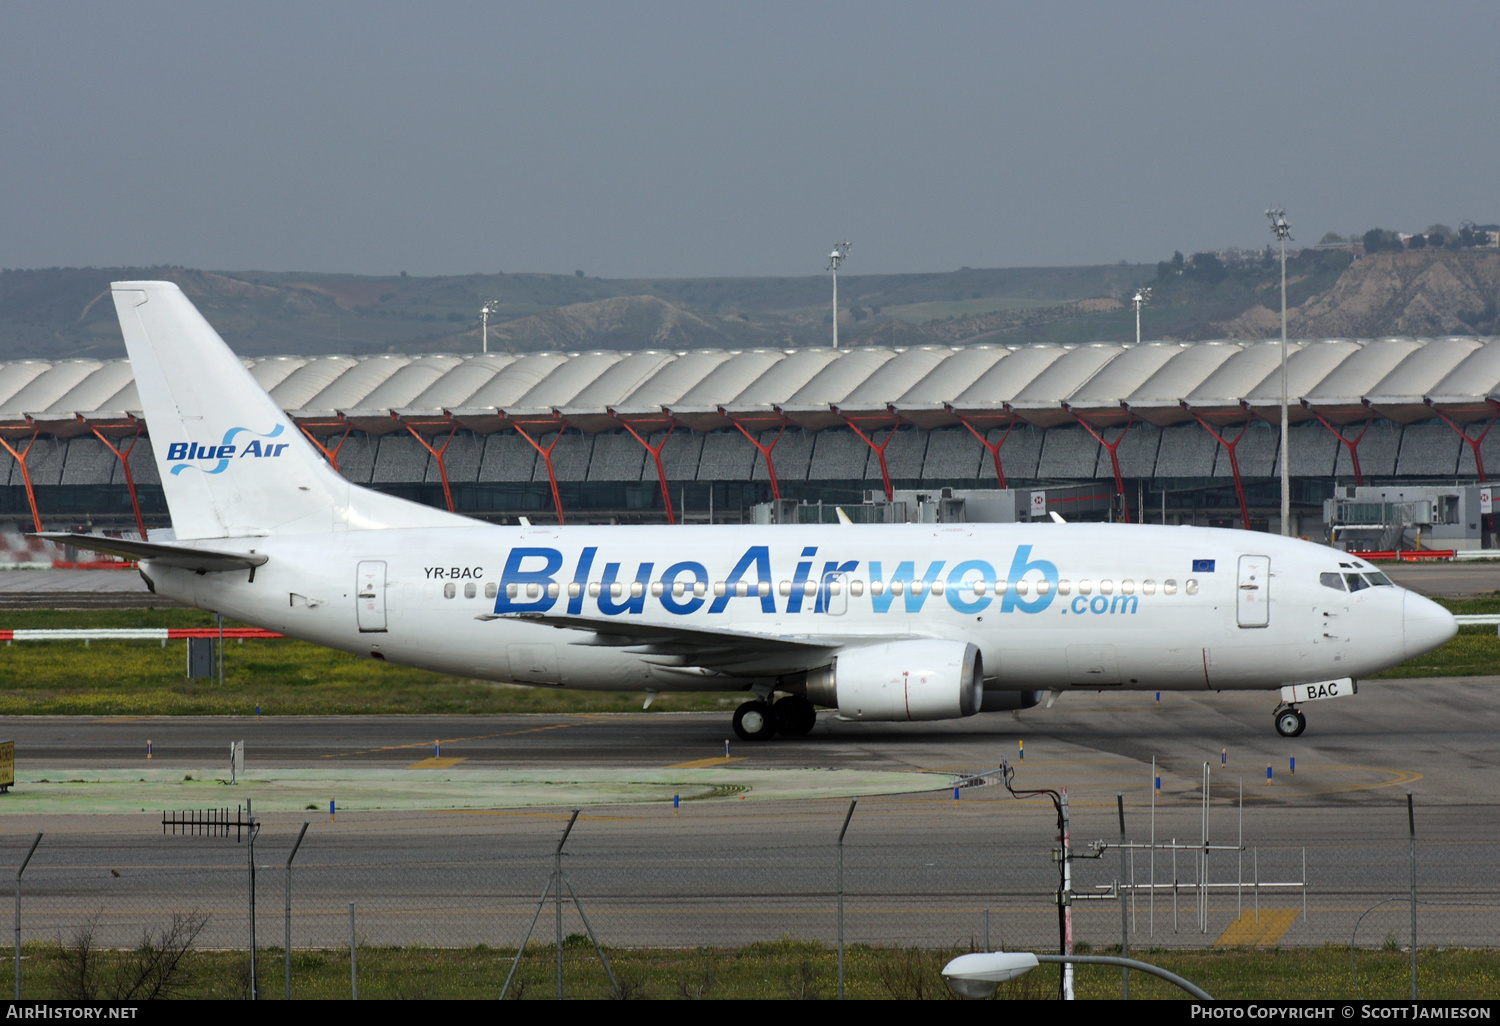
<point x="437" y="903"/>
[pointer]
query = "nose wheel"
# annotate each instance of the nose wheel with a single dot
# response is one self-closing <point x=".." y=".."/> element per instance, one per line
<point x="1290" y="722"/>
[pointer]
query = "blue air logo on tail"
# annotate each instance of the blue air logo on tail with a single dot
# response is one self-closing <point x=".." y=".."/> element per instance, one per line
<point x="258" y="447"/>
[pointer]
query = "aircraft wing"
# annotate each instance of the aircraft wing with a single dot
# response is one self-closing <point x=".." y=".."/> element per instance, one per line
<point x="183" y="556"/>
<point x="695" y="646"/>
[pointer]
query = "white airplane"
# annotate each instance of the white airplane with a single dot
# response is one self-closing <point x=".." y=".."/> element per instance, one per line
<point x="880" y="622"/>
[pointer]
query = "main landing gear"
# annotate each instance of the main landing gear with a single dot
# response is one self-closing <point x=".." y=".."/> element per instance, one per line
<point x="1289" y="721"/>
<point x="759" y="720"/>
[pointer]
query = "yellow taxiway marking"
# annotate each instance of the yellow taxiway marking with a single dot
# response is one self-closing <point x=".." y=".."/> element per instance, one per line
<point x="435" y="763"/>
<point x="447" y="741"/>
<point x="1245" y="931"/>
<point x="705" y="763"/>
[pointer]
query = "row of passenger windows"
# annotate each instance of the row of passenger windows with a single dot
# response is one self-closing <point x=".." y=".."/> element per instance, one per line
<point x="698" y="589"/>
<point x="1354" y="582"/>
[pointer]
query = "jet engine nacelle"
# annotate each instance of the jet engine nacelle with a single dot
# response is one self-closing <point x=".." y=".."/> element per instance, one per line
<point x="902" y="680"/>
<point x="996" y="700"/>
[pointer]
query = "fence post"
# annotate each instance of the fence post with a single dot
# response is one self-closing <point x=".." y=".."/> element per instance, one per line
<point x="1120" y="891"/>
<point x="29" y="852"/>
<point x="844" y="829"/>
<point x="1412" y="831"/>
<point x="250" y="832"/>
<point x="353" y="958"/>
<point x="288" y="939"/>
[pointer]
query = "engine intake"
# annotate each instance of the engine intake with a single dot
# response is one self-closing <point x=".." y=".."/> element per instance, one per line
<point x="902" y="680"/>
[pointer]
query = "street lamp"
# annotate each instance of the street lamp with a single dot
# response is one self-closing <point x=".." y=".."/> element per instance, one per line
<point x="977" y="975"/>
<point x="1141" y="298"/>
<point x="839" y="255"/>
<point x="1283" y="231"/>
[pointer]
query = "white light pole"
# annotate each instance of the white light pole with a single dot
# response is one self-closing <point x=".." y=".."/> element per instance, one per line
<point x="1283" y="231"/>
<point x="1141" y="298"/>
<point x="484" y="319"/>
<point x="839" y="255"/>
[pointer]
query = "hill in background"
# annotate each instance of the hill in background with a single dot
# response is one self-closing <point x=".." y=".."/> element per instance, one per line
<point x="66" y="312"/>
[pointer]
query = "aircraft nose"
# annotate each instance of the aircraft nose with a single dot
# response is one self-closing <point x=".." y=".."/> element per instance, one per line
<point x="1424" y="625"/>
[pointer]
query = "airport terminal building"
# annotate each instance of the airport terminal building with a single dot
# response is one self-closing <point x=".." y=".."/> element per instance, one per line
<point x="1387" y="435"/>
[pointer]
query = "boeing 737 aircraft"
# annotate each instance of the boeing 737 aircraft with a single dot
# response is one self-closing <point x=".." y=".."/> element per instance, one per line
<point x="880" y="622"/>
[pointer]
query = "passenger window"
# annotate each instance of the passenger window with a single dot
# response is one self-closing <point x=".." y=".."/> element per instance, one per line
<point x="810" y="588"/>
<point x="616" y="590"/>
<point x="449" y="590"/>
<point x="678" y="589"/>
<point x="1333" y="581"/>
<point x="1379" y="579"/>
<point x="718" y="589"/>
<point x="656" y="589"/>
<point x="742" y="588"/>
<point x="1356" y="582"/>
<point x="552" y="590"/>
<point x="1169" y="587"/>
<point x="469" y="590"/>
<point x="1042" y="587"/>
<point x="1106" y="587"/>
<point x="856" y="588"/>
<point x="896" y="587"/>
<point x="532" y="591"/>
<point x="785" y="588"/>
<point x="1191" y="587"/>
<point x="1085" y="587"/>
<point x="637" y="589"/>
<point x="1063" y="587"/>
<point x="835" y="587"/>
<point x="937" y="587"/>
<point x="1021" y="587"/>
<point x="1001" y="586"/>
<point x="1127" y="587"/>
<point x="492" y="589"/>
<point x="763" y="589"/>
<point x="876" y="588"/>
<point x="593" y="589"/>
<point x="511" y="590"/>
<point x="700" y="588"/>
<point x="1148" y="587"/>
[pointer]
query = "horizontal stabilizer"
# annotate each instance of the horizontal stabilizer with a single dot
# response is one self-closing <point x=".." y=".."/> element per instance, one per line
<point x="183" y="556"/>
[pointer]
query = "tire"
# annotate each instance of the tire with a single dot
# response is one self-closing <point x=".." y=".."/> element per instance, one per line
<point x="755" y="721"/>
<point x="1290" y="722"/>
<point x="795" y="716"/>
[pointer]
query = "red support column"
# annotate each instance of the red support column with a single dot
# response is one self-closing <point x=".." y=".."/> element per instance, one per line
<point x="546" y="455"/>
<point x="994" y="449"/>
<point x="332" y="455"/>
<point x="1114" y="457"/>
<point x="885" y="474"/>
<point x="1351" y="445"/>
<point x="765" y="452"/>
<point x="1473" y="443"/>
<point x="36" y="518"/>
<point x="661" y="473"/>
<point x="1234" y="462"/>
<point x="437" y="454"/>
<point x="124" y="458"/>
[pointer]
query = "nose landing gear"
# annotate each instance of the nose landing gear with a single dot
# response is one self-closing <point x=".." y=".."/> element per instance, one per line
<point x="1289" y="721"/>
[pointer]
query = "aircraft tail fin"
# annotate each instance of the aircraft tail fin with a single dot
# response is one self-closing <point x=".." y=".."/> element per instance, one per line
<point x="232" y="463"/>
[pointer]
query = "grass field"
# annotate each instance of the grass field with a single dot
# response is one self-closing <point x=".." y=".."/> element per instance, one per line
<point x="786" y="969"/>
<point x="290" y="678"/>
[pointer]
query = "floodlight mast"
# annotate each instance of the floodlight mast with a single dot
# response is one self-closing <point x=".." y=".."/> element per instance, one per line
<point x="1141" y="298"/>
<point x="839" y="255"/>
<point x="493" y="306"/>
<point x="1283" y="231"/>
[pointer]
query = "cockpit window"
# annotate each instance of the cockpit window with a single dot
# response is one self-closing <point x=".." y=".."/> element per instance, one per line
<point x="1356" y="582"/>
<point x="1333" y="581"/>
<point x="1377" y="578"/>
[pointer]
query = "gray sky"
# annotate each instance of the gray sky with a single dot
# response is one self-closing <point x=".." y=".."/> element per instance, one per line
<point x="686" y="139"/>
